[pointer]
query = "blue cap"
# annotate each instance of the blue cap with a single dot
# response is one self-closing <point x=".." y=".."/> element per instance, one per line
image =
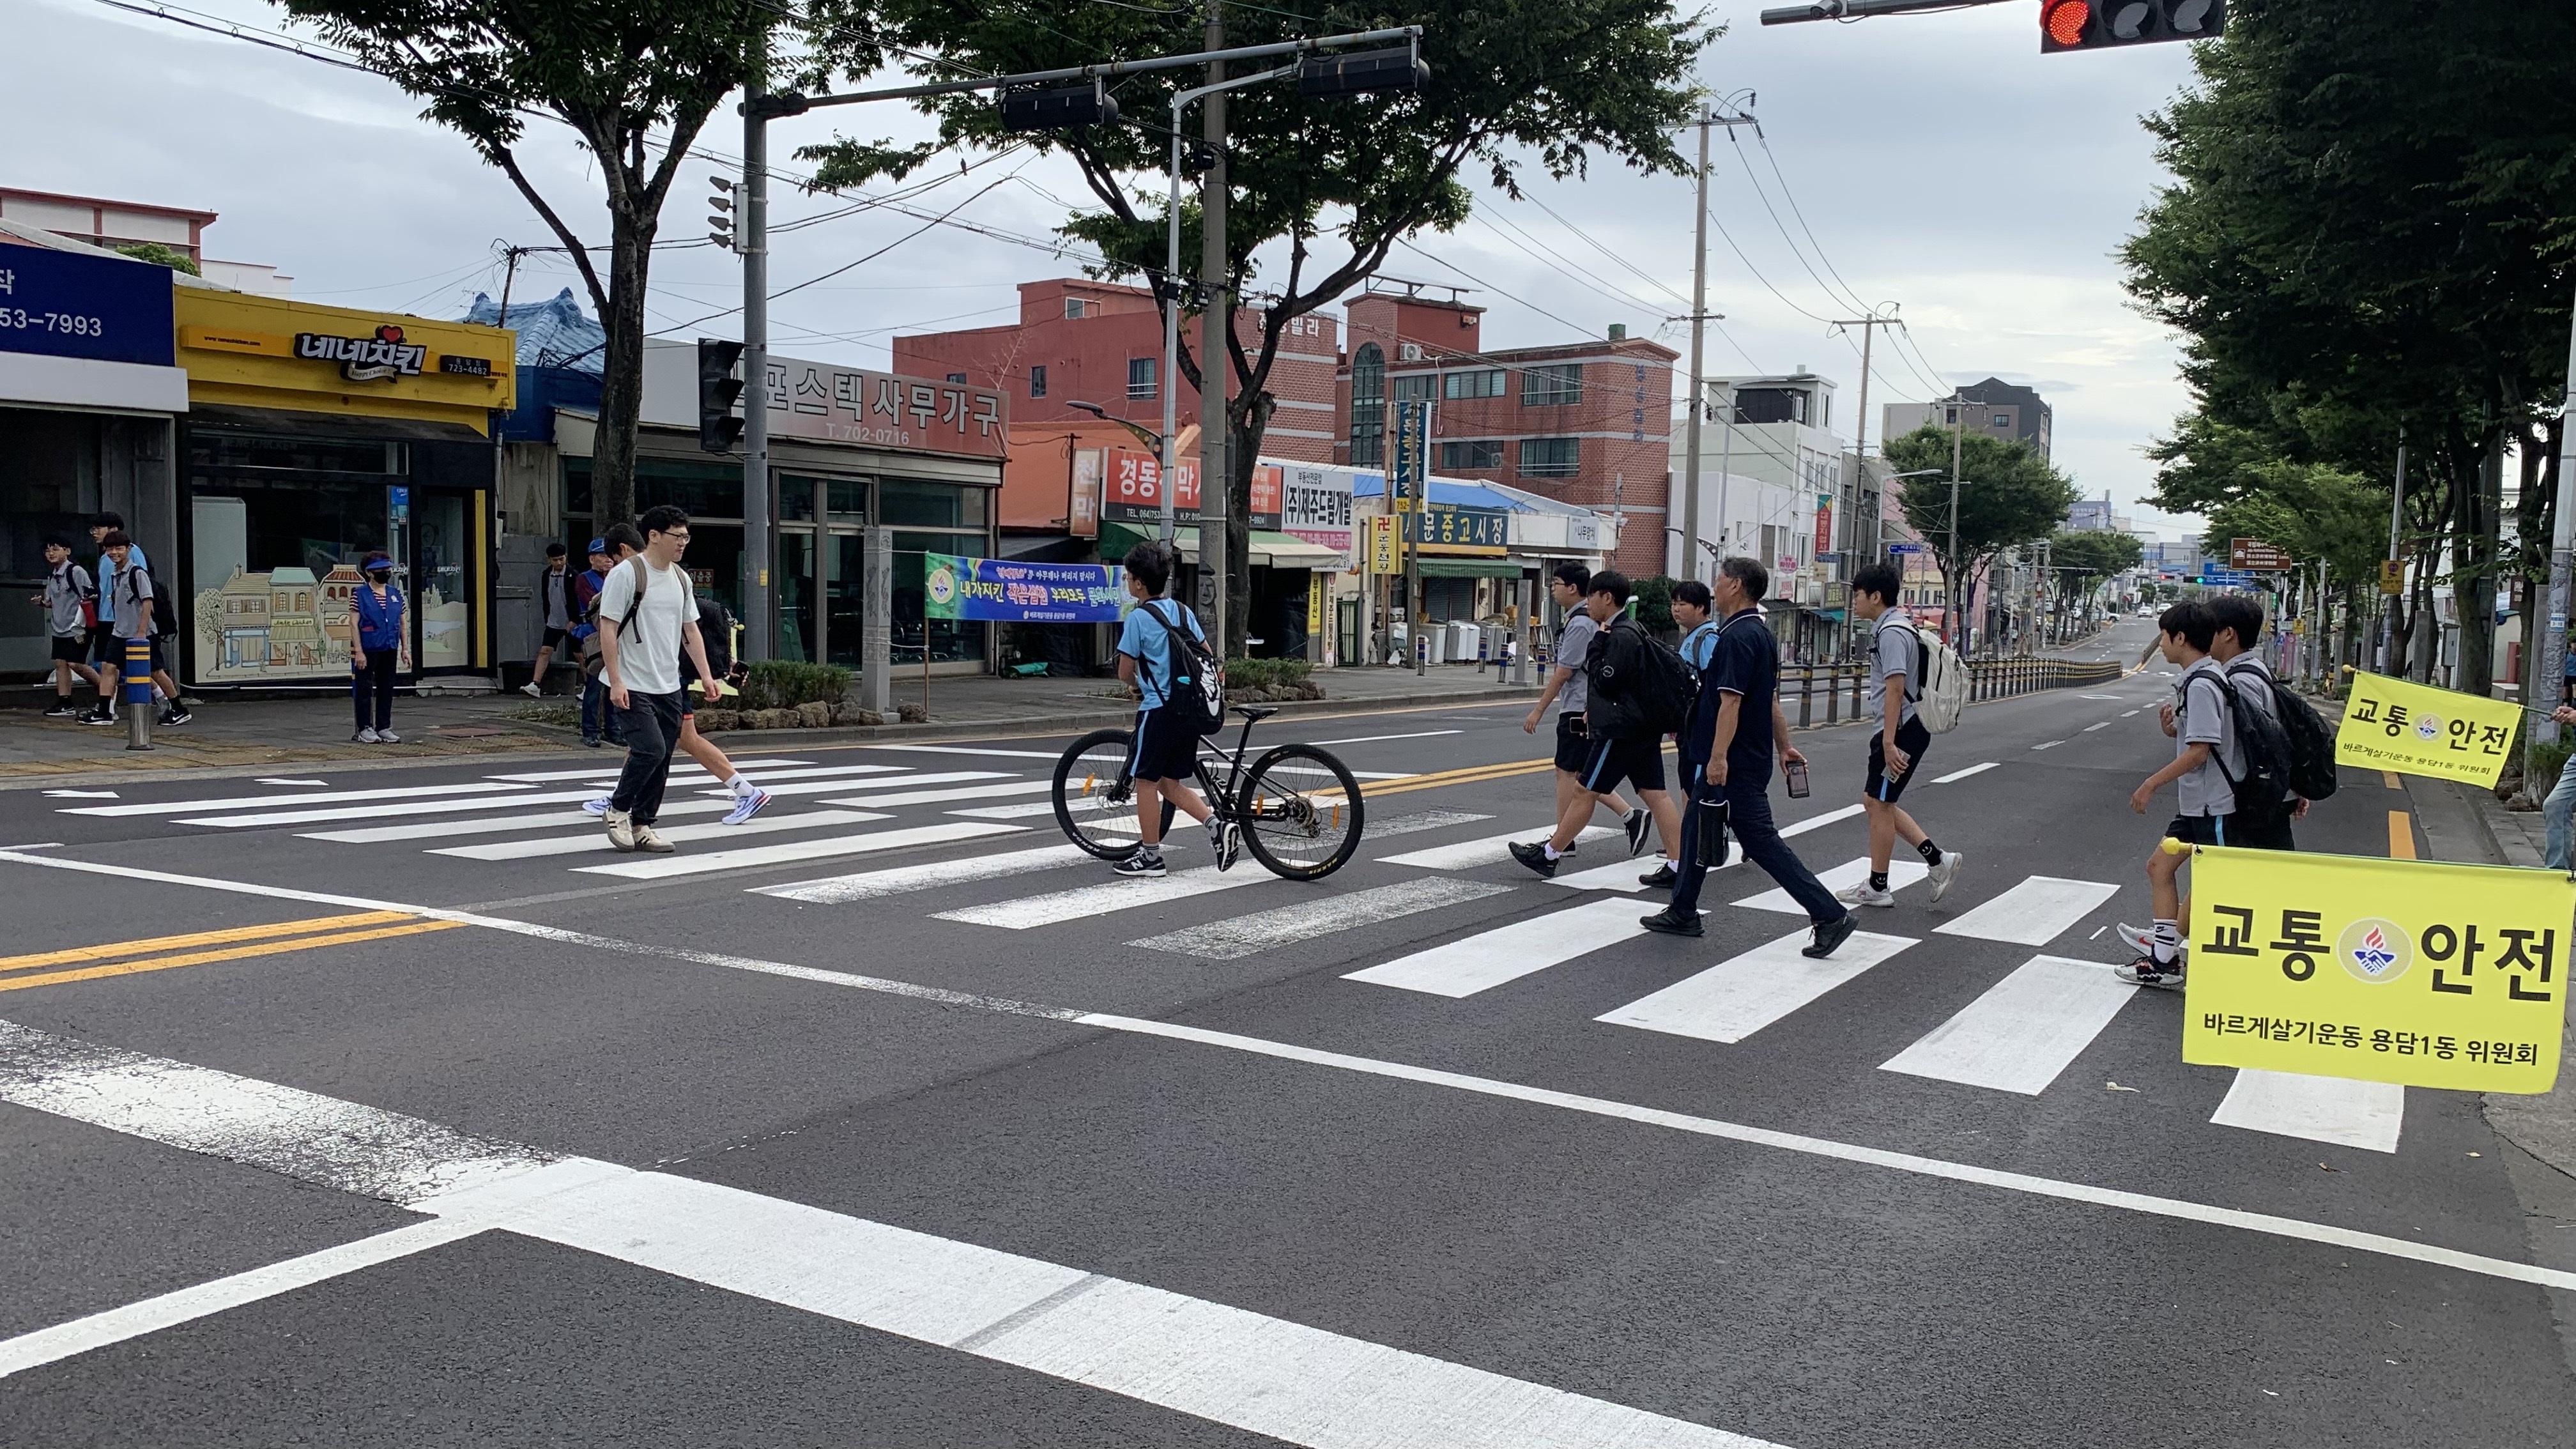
<point x="598" y="545"/>
<point x="374" y="561"/>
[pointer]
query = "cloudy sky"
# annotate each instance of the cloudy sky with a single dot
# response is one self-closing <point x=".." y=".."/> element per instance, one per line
<point x="1938" y="162"/>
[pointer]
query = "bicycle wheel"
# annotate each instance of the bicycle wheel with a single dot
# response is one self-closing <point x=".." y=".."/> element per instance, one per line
<point x="1095" y="801"/>
<point x="1301" y="812"/>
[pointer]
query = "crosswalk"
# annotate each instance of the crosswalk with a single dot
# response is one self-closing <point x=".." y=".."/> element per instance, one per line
<point x="1445" y="922"/>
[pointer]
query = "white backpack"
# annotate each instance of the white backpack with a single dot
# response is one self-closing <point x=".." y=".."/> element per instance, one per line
<point x="1940" y="690"/>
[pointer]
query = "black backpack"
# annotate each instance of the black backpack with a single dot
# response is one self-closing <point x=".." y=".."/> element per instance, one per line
<point x="165" y="610"/>
<point x="2310" y="740"/>
<point x="2263" y="793"/>
<point x="1651" y="691"/>
<point x="1194" y="697"/>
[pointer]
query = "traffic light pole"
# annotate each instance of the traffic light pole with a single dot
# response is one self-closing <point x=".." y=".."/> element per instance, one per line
<point x="1216" y="476"/>
<point x="1855" y="9"/>
<point x="754" y="241"/>
<point x="2552" y="663"/>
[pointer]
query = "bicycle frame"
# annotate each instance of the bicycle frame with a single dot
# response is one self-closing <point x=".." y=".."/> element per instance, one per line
<point x="1222" y="801"/>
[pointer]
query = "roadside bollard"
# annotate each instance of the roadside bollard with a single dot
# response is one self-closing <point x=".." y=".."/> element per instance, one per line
<point x="138" y="694"/>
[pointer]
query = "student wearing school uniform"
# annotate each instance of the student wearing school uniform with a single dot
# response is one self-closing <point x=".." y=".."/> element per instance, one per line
<point x="68" y="588"/>
<point x="1165" y="753"/>
<point x="2207" y="754"/>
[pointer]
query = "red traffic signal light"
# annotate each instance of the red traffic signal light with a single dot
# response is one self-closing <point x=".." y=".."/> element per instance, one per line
<point x="2100" y="24"/>
<point x="2064" y="24"/>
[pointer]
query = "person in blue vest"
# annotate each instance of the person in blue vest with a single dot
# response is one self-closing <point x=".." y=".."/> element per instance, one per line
<point x="375" y="647"/>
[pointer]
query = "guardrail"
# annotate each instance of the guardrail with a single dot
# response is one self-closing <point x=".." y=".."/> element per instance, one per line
<point x="1841" y="688"/>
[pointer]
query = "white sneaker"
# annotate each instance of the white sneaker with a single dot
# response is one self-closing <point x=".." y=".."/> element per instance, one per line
<point x="2141" y="939"/>
<point x="648" y="838"/>
<point x="365" y="737"/>
<point x="1864" y="895"/>
<point x="597" y="804"/>
<point x="1945" y="874"/>
<point x="531" y="691"/>
<point x="621" y="830"/>
<point x="2145" y="972"/>
<point x="745" y="805"/>
<point x="387" y="737"/>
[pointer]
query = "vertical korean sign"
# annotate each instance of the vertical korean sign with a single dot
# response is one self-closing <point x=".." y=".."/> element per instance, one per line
<point x="1824" y="524"/>
<point x="1409" y="466"/>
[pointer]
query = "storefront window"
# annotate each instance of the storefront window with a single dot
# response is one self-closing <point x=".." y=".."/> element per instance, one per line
<point x="701" y="490"/>
<point x="950" y="639"/>
<point x="276" y="561"/>
<point x="904" y="502"/>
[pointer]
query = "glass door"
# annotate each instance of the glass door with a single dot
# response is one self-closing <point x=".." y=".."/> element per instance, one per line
<point x="844" y="598"/>
<point x="796" y="594"/>
<point x="442" y="600"/>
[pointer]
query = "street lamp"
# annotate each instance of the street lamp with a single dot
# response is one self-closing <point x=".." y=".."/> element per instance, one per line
<point x="1145" y="435"/>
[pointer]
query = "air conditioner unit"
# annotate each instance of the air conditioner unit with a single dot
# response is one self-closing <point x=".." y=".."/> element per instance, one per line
<point x="1811" y="594"/>
<point x="1408" y="352"/>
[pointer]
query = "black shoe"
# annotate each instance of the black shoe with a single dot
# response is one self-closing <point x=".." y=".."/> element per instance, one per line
<point x="63" y="710"/>
<point x="1660" y="878"/>
<point x="1638" y="820"/>
<point x="98" y="717"/>
<point x="1533" y="856"/>
<point x="591" y="740"/>
<point x="1670" y="922"/>
<point x="1829" y="936"/>
<point x="177" y="717"/>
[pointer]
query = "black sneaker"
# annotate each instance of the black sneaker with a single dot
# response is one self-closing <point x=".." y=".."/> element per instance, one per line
<point x="98" y="717"/>
<point x="2147" y="971"/>
<point x="1140" y="865"/>
<point x="177" y="717"/>
<point x="1534" y="856"/>
<point x="1639" y="820"/>
<point x="63" y="710"/>
<point x="1670" y="922"/>
<point x="1829" y="936"/>
<point x="1660" y="878"/>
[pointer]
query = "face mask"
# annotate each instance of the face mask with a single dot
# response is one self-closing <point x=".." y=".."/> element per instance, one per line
<point x="380" y="578"/>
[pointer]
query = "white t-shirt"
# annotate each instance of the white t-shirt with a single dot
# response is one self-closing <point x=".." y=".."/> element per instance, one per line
<point x="648" y="652"/>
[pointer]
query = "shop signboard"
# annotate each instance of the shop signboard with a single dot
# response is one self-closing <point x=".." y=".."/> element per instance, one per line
<point x="1265" y="496"/>
<point x="1012" y="591"/>
<point x="1383" y="556"/>
<point x="1132" y="488"/>
<point x="1824" y="523"/>
<point x="65" y="304"/>
<point x="1409" y="453"/>
<point x="1315" y="506"/>
<point x="2255" y="556"/>
<point x="1452" y="529"/>
<point x="1082" y="508"/>
<point x="883" y="410"/>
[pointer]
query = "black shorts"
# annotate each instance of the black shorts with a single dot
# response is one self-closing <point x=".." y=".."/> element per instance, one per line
<point x="2203" y="830"/>
<point x="105" y="647"/>
<point x="72" y="648"/>
<point x="555" y="639"/>
<point x="1913" y="739"/>
<point x="1572" y="744"/>
<point x="688" y="676"/>
<point x="111" y="657"/>
<point x="1163" y="750"/>
<point x="1638" y="759"/>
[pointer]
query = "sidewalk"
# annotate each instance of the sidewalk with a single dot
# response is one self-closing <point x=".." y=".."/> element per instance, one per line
<point x="237" y="734"/>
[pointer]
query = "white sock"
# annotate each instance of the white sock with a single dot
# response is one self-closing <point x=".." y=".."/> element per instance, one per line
<point x="2166" y="944"/>
<point x="737" y="784"/>
<point x="1552" y="852"/>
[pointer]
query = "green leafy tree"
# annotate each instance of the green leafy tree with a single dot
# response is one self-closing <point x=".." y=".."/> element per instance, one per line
<point x="2084" y="558"/>
<point x="1323" y="190"/>
<point x="634" y="79"/>
<point x="161" y="256"/>
<point x="2008" y="496"/>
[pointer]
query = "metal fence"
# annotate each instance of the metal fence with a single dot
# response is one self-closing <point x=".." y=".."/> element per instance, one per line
<point x="1839" y="689"/>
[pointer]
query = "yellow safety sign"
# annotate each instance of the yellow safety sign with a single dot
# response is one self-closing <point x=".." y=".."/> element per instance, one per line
<point x="1382" y="541"/>
<point x="2417" y="972"/>
<point x="1314" y="604"/>
<point x="2415" y="729"/>
<point x="2392" y="576"/>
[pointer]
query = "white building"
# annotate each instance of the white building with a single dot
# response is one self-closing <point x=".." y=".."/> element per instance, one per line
<point x="1768" y="454"/>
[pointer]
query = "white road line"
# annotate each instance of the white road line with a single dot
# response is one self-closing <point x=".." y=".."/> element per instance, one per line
<point x="2367" y="1115"/>
<point x="1030" y="912"/>
<point x="204" y="1300"/>
<point x="282" y="780"/>
<point x="1901" y="872"/>
<point x="1421" y="821"/>
<point x="548" y="777"/>
<point x="2112" y="697"/>
<point x="1608" y="1109"/>
<point x="1619" y="875"/>
<point x="792" y="788"/>
<point x="663" y="867"/>
<point x="1240" y="936"/>
<point x="1026" y="810"/>
<point x="963" y="792"/>
<point x="971" y="750"/>
<point x="1373" y="739"/>
<point x="2124" y="714"/>
<point x="2033" y="913"/>
<point x="2023" y="1031"/>
<point x="2104" y="725"/>
<point x="597" y="841"/>
<point x="1491" y="848"/>
<point x="393" y="810"/>
<point x="1508" y="953"/>
<point x="819" y="772"/>
<point x="1818" y="822"/>
<point x="1958" y="775"/>
<point x="1734" y="999"/>
<point x="450" y="829"/>
<point x="2052" y="744"/>
<point x="268" y="802"/>
<point x="871" y="884"/>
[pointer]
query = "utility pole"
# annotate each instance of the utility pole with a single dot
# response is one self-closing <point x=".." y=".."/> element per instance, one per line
<point x="2389" y="663"/>
<point x="755" y="361"/>
<point x="1955" y="579"/>
<point x="1215" y="358"/>
<point x="1860" y="443"/>
<point x="2553" y="641"/>
<point x="1699" y="318"/>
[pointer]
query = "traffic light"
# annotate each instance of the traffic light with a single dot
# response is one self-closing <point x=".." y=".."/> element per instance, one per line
<point x="2101" y="24"/>
<point x="720" y="223"/>
<point x="1054" y="108"/>
<point x="719" y="388"/>
<point x="1363" y="72"/>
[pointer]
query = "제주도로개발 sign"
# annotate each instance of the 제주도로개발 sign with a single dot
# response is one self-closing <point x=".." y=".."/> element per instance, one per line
<point x="1013" y="592"/>
<point x="2416" y="972"/>
<point x="2415" y="729"/>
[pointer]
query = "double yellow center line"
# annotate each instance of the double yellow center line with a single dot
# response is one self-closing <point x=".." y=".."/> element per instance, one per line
<point x="1467" y="776"/>
<point x="161" y="953"/>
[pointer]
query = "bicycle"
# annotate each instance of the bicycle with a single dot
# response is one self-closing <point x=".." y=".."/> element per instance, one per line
<point x="1299" y="807"/>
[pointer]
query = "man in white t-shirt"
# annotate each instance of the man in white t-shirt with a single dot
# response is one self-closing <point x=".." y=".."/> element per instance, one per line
<point x="648" y="614"/>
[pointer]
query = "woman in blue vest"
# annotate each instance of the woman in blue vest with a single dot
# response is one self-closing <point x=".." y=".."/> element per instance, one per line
<point x="375" y="646"/>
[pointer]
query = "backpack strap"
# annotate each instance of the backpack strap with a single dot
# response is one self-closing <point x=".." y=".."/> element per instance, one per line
<point x="1171" y="637"/>
<point x="643" y="581"/>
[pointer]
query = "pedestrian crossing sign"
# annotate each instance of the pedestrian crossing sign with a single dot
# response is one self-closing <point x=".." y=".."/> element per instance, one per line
<point x="2415" y="729"/>
<point x="2416" y="972"/>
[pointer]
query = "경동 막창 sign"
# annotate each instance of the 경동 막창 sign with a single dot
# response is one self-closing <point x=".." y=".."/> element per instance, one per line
<point x="2415" y="729"/>
<point x="2416" y="972"/>
<point x="1013" y="592"/>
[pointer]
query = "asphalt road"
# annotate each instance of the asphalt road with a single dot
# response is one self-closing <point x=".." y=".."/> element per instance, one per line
<point x="787" y="1151"/>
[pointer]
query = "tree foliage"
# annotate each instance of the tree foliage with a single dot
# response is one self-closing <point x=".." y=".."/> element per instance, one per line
<point x="2085" y="557"/>
<point x="161" y="256"/>
<point x="634" y="79"/>
<point x="2008" y="496"/>
<point x="1318" y="192"/>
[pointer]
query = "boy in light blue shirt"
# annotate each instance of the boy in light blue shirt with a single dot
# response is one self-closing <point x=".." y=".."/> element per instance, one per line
<point x="1164" y="757"/>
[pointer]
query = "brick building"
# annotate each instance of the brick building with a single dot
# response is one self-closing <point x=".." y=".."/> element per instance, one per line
<point x="1586" y="423"/>
<point x="1101" y="342"/>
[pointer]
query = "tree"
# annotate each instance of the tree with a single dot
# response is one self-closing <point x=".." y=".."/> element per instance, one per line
<point x="634" y="79"/>
<point x="1514" y="83"/>
<point x="2008" y="496"/>
<point x="160" y="256"/>
<point x="2084" y="557"/>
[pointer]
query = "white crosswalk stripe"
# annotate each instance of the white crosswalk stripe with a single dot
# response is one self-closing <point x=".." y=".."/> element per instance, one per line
<point x="1901" y="873"/>
<point x="1240" y="936"/>
<point x="2035" y="912"/>
<point x="1734" y="999"/>
<point x="608" y="770"/>
<point x="452" y="805"/>
<point x="1618" y="875"/>
<point x="1485" y="851"/>
<point x="452" y="829"/>
<point x="663" y="867"/>
<point x="871" y="884"/>
<point x="2367" y="1115"/>
<point x="933" y="797"/>
<point x="596" y="842"/>
<point x="266" y="802"/>
<point x="792" y="788"/>
<point x="1507" y="953"/>
<point x="1030" y="912"/>
<point x="2024" y="1030"/>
